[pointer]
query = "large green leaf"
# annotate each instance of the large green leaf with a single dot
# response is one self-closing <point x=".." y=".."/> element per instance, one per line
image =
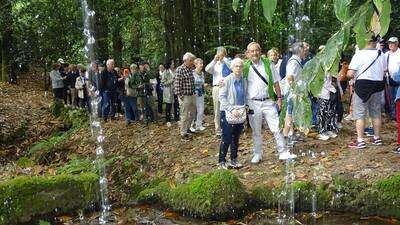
<point x="385" y="17"/>
<point x="315" y="86"/>
<point x="335" y="66"/>
<point x="342" y="9"/>
<point x="361" y="31"/>
<point x="246" y="10"/>
<point x="269" y="7"/>
<point x="235" y="4"/>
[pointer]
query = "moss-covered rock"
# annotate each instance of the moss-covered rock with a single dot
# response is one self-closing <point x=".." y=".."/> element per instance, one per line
<point x="25" y="197"/>
<point x="215" y="195"/>
<point x="344" y="194"/>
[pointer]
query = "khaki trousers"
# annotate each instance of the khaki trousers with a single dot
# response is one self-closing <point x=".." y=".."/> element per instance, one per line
<point x="217" y="113"/>
<point x="188" y="111"/>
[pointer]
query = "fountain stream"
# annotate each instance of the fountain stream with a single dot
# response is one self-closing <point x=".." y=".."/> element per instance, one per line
<point x="95" y="125"/>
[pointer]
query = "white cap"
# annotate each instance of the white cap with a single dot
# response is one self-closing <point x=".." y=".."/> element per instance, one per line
<point x="60" y="60"/>
<point x="393" y="39"/>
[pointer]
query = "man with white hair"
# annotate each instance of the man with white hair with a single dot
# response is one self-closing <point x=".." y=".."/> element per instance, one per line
<point x="184" y="89"/>
<point x="263" y="94"/>
<point x="393" y="61"/>
<point x="108" y="88"/>
<point x="219" y="68"/>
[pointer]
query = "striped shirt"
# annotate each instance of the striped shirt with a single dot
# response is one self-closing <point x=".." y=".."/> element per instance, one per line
<point x="184" y="81"/>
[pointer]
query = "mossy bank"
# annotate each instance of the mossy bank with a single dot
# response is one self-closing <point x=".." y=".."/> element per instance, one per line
<point x="220" y="195"/>
<point x="25" y="197"/>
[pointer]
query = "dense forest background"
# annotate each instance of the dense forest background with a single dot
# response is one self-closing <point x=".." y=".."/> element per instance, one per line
<point x="35" y="33"/>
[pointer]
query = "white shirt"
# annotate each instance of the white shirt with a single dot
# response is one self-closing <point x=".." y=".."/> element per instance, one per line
<point x="293" y="68"/>
<point x="327" y="87"/>
<point x="257" y="88"/>
<point x="393" y="61"/>
<point x="215" y="68"/>
<point x="362" y="59"/>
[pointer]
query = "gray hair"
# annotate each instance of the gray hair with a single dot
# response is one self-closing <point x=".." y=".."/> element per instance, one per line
<point x="133" y="65"/>
<point x="110" y="61"/>
<point x="187" y="56"/>
<point x="297" y="48"/>
<point x="221" y="49"/>
<point x="236" y="61"/>
<point x="253" y="43"/>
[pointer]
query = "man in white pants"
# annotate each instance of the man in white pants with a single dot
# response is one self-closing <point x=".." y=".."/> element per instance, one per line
<point x="261" y="96"/>
<point x="216" y="68"/>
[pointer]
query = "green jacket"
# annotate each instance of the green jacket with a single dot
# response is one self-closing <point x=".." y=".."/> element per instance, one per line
<point x="266" y="61"/>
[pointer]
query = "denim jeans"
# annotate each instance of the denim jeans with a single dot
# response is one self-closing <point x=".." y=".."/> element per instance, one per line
<point x="130" y="107"/>
<point x="230" y="137"/>
<point x="108" y="104"/>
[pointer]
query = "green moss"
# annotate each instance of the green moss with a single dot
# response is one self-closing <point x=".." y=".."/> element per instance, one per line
<point x="25" y="162"/>
<point x="381" y="199"/>
<point x="76" y="166"/>
<point x="24" y="197"/>
<point x="217" y="194"/>
<point x="344" y="192"/>
<point x="265" y="196"/>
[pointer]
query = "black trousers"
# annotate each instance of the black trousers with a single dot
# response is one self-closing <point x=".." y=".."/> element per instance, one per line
<point x="230" y="138"/>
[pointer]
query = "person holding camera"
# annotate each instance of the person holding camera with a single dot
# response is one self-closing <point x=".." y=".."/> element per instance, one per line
<point x="232" y="96"/>
<point x="219" y="68"/>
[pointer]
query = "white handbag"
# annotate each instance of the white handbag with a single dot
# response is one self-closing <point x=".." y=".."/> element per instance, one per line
<point x="231" y="119"/>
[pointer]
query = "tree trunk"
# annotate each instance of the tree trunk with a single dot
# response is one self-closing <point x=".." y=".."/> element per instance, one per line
<point x="6" y="44"/>
<point x="117" y="44"/>
<point x="100" y="31"/>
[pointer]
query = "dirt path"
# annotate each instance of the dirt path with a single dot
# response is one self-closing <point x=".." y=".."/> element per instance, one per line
<point x="165" y="155"/>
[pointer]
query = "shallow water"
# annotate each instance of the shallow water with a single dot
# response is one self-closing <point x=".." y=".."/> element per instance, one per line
<point x="151" y="216"/>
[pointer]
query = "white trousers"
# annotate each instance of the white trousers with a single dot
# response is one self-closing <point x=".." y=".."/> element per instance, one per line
<point x="199" y="111"/>
<point x="217" y="113"/>
<point x="265" y="110"/>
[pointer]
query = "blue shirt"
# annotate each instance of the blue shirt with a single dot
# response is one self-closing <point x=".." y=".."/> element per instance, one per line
<point x="239" y="88"/>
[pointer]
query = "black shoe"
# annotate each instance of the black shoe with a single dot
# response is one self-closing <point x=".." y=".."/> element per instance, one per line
<point x="185" y="137"/>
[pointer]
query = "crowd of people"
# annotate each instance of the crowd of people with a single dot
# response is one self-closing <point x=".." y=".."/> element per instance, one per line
<point x="250" y="88"/>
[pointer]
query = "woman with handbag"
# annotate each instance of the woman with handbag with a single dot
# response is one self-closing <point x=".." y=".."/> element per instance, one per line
<point x="233" y="113"/>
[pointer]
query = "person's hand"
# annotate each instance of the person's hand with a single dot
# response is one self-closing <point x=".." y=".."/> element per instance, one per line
<point x="221" y="83"/>
<point x="205" y="85"/>
<point x="216" y="57"/>
<point x="279" y="103"/>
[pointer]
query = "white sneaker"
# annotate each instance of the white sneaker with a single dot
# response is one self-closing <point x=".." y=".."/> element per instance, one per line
<point x="256" y="158"/>
<point x="200" y="128"/>
<point x="192" y="129"/>
<point x="339" y="125"/>
<point x="323" y="137"/>
<point x="331" y="134"/>
<point x="286" y="155"/>
<point x="168" y="124"/>
<point x="349" y="117"/>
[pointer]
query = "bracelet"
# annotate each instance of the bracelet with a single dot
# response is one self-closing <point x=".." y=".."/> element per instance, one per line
<point x="280" y="97"/>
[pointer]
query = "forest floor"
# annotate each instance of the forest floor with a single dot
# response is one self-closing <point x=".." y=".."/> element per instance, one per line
<point x="158" y="150"/>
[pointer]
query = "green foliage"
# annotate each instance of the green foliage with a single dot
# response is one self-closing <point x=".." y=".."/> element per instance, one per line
<point x="326" y="61"/>
<point x="24" y="197"/>
<point x="269" y="7"/>
<point x="25" y="162"/>
<point x="76" y="166"/>
<point x="56" y="108"/>
<point x="42" y="222"/>
<point x="342" y="9"/>
<point x="235" y="4"/>
<point x="43" y="149"/>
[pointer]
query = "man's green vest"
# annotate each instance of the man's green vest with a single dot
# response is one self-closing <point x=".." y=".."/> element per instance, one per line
<point x="266" y="61"/>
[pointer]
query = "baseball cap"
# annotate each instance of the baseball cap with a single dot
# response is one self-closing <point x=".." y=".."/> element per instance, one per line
<point x="393" y="39"/>
<point x="61" y="61"/>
